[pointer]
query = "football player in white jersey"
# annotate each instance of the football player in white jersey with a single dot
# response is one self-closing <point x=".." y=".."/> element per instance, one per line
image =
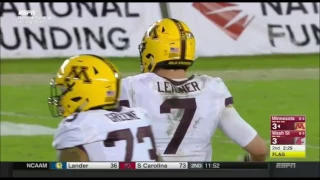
<point x="185" y="111"/>
<point x="95" y="127"/>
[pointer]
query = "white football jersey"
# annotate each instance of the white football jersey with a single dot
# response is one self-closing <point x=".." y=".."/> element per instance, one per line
<point x="109" y="136"/>
<point x="185" y="114"/>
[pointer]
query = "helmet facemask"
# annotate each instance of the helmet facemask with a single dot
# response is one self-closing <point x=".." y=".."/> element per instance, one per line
<point x="56" y="94"/>
<point x="54" y="100"/>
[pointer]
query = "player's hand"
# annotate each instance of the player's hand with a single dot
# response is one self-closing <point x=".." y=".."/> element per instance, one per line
<point x="160" y="159"/>
<point x="246" y="158"/>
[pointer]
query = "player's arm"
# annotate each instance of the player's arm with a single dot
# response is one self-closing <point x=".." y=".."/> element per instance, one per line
<point x="232" y="124"/>
<point x="74" y="154"/>
<point x="69" y="138"/>
<point x="237" y="129"/>
<point x="124" y="97"/>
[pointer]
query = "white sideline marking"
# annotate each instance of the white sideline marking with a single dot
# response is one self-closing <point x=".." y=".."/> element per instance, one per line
<point x="24" y="115"/>
<point x="219" y="138"/>
<point x="237" y="75"/>
<point x="15" y="129"/>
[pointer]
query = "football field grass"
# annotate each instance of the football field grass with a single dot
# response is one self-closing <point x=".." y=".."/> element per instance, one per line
<point x="261" y="86"/>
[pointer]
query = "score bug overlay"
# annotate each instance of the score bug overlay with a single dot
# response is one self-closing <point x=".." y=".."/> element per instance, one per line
<point x="288" y="137"/>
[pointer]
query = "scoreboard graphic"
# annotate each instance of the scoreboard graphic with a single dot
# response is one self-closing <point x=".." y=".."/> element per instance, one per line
<point x="288" y="137"/>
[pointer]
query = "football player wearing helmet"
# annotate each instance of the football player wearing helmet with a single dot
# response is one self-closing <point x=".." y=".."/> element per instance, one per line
<point x="185" y="111"/>
<point x="85" y="92"/>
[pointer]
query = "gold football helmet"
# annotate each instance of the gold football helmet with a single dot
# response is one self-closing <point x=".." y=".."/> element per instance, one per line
<point x="168" y="43"/>
<point x="84" y="82"/>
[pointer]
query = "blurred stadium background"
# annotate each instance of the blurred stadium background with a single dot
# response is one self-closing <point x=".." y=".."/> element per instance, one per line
<point x="267" y="75"/>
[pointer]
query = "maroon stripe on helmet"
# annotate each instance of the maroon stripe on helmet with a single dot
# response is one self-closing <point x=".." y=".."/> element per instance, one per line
<point x="182" y="37"/>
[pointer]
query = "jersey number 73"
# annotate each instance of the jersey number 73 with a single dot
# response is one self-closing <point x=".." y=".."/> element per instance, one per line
<point x="126" y="134"/>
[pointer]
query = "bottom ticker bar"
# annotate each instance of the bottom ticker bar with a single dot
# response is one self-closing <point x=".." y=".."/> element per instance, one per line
<point x="39" y="169"/>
